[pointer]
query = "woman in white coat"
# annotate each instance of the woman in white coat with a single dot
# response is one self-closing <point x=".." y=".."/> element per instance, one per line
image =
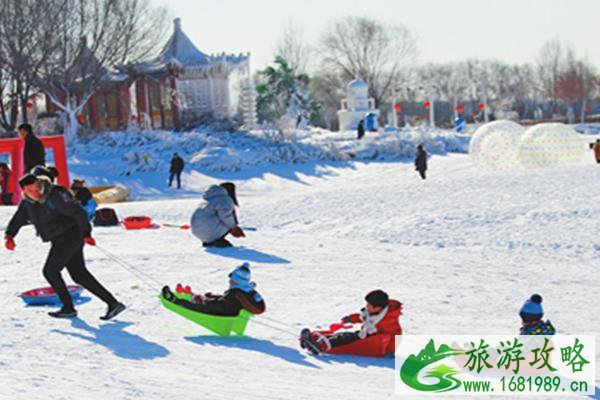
<point x="215" y="217"/>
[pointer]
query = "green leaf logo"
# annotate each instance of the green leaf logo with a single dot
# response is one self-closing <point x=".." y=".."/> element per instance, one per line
<point x="412" y="367"/>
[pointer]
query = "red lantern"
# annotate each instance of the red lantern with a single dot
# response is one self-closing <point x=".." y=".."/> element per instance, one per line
<point x="459" y="108"/>
<point x="427" y="104"/>
<point x="29" y="105"/>
<point x="398" y="107"/>
<point x="81" y="118"/>
<point x="481" y="106"/>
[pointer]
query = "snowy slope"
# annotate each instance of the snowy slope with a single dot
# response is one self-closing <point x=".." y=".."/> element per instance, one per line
<point x="140" y="160"/>
<point x="461" y="250"/>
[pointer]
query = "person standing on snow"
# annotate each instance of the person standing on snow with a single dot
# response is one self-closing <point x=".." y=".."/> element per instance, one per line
<point x="60" y="221"/>
<point x="177" y="165"/>
<point x="361" y="129"/>
<point x="33" y="152"/>
<point x="421" y="161"/>
<point x="5" y="196"/>
<point x="215" y="217"/>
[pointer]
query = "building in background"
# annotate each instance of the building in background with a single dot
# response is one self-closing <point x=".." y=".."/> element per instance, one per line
<point x="180" y="87"/>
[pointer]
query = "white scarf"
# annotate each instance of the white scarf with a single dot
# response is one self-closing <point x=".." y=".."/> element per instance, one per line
<point x="370" y="322"/>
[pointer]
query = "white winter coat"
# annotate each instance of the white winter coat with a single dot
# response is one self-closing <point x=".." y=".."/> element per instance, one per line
<point x="215" y="215"/>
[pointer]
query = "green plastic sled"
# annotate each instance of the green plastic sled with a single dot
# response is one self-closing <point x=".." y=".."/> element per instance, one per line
<point x="222" y="326"/>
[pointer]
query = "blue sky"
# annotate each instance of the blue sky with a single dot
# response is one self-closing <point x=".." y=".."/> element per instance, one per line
<point x="447" y="30"/>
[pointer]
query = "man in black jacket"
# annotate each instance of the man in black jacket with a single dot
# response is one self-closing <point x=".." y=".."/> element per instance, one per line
<point x="177" y="166"/>
<point x="59" y="220"/>
<point x="33" y="151"/>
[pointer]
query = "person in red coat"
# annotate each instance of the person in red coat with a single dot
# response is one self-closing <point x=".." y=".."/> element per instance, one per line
<point x="380" y="315"/>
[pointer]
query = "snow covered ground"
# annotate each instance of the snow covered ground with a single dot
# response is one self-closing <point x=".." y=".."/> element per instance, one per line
<point x="461" y="250"/>
<point x="141" y="160"/>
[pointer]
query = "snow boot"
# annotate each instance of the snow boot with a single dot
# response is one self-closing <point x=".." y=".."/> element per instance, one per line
<point x="306" y="342"/>
<point x="221" y="242"/>
<point x="168" y="295"/>
<point x="113" y="311"/>
<point x="63" y="313"/>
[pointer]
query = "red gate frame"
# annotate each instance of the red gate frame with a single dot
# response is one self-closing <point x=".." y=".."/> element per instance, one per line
<point x="15" y="148"/>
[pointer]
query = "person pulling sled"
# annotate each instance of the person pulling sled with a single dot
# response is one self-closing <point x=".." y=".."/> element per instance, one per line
<point x="59" y="220"/>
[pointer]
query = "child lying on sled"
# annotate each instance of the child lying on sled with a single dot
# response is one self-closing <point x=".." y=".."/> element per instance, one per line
<point x="240" y="295"/>
<point x="380" y="315"/>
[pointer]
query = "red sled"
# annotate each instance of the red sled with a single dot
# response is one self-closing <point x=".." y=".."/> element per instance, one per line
<point x="378" y="345"/>
<point x="138" y="223"/>
<point x="47" y="295"/>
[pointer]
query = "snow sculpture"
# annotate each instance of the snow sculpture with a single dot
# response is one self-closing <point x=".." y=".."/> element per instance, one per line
<point x="543" y="145"/>
<point x="357" y="106"/>
<point x="494" y="145"/>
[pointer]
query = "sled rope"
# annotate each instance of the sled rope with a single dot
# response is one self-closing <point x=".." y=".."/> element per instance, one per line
<point x="285" y="324"/>
<point x="145" y="277"/>
<point x="255" y="321"/>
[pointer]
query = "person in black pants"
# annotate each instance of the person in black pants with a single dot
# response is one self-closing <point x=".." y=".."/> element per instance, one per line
<point x="59" y="220"/>
<point x="421" y="161"/>
<point x="33" y="151"/>
<point x="177" y="165"/>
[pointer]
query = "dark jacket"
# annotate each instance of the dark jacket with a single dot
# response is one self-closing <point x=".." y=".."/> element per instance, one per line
<point x="52" y="217"/>
<point x="4" y="178"/>
<point x="361" y="129"/>
<point x="82" y="194"/>
<point x="177" y="165"/>
<point x="231" y="303"/>
<point x="33" y="152"/>
<point x="421" y="161"/>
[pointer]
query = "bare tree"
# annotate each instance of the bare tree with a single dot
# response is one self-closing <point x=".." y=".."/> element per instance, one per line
<point x="549" y="64"/>
<point x="24" y="49"/>
<point x="578" y="83"/>
<point x="360" y="47"/>
<point x="293" y="48"/>
<point x="92" y="37"/>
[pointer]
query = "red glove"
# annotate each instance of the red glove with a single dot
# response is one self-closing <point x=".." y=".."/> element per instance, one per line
<point x="237" y="232"/>
<point x="90" y="241"/>
<point x="9" y="243"/>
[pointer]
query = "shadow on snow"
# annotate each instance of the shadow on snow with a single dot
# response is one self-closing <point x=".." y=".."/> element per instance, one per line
<point x="114" y="337"/>
<point x="258" y="345"/>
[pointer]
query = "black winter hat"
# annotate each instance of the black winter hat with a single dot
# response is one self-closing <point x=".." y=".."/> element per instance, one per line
<point x="230" y="188"/>
<point x="377" y="298"/>
<point x="27" y="180"/>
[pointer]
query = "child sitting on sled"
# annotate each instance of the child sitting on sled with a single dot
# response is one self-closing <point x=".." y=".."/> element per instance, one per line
<point x="531" y="315"/>
<point x="380" y="315"/>
<point x="241" y="294"/>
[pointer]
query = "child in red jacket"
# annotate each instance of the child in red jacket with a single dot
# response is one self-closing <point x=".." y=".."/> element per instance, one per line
<point x="380" y="315"/>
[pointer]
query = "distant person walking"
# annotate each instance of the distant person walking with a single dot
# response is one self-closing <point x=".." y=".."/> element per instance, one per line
<point x="33" y="151"/>
<point x="596" y="148"/>
<point x="177" y="165"/>
<point x="421" y="161"/>
<point x="361" y="129"/>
